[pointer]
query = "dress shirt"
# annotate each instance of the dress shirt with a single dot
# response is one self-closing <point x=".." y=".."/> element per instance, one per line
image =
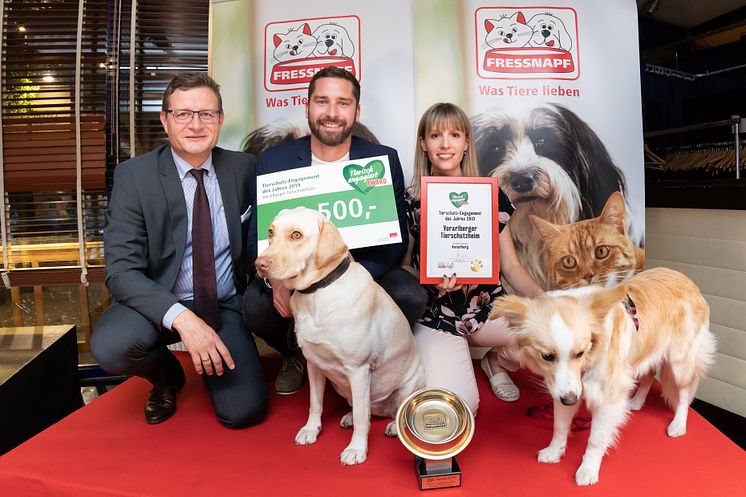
<point x="183" y="288"/>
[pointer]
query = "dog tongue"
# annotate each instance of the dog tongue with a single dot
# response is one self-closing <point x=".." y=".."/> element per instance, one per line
<point x="333" y="52"/>
<point x="550" y="43"/>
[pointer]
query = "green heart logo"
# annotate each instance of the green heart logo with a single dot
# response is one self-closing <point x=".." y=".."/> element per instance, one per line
<point x="363" y="178"/>
<point x="458" y="199"/>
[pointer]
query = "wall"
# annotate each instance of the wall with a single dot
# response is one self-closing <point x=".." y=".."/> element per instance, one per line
<point x="709" y="246"/>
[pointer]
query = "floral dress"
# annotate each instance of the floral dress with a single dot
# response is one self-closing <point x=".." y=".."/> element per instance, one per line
<point x="463" y="311"/>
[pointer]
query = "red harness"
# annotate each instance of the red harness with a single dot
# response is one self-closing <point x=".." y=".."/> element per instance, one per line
<point x="631" y="308"/>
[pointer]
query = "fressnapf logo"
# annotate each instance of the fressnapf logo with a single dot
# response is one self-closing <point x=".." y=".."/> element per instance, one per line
<point x="296" y="50"/>
<point x="527" y="43"/>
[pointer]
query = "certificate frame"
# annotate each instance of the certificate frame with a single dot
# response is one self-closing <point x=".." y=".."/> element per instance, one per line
<point x="432" y="204"/>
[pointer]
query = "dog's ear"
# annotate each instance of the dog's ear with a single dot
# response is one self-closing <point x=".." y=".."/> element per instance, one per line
<point x="547" y="230"/>
<point x="330" y="246"/>
<point x="614" y="212"/>
<point x="277" y="40"/>
<point x="599" y="173"/>
<point x="511" y="308"/>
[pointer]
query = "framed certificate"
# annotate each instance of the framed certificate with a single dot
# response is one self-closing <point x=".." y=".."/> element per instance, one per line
<point x="459" y="229"/>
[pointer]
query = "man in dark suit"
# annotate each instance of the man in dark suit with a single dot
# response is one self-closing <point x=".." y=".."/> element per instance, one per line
<point x="175" y="244"/>
<point x="332" y="110"/>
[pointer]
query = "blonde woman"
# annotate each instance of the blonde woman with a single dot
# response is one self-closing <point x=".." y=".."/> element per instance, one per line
<point x="456" y="315"/>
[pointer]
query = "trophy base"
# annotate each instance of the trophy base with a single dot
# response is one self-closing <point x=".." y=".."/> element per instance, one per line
<point x="437" y="474"/>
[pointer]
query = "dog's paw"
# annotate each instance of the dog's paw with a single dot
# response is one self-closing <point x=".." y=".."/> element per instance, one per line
<point x="307" y="435"/>
<point x="676" y="428"/>
<point x="551" y="455"/>
<point x="346" y="421"/>
<point x="635" y="404"/>
<point x="353" y="455"/>
<point x="586" y="475"/>
<point x="390" y="430"/>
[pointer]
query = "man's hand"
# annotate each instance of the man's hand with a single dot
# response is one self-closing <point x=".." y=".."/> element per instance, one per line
<point x="205" y="346"/>
<point x="448" y="285"/>
<point x="281" y="299"/>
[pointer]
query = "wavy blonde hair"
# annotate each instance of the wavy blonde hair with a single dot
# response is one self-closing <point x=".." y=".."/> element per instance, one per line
<point x="443" y="115"/>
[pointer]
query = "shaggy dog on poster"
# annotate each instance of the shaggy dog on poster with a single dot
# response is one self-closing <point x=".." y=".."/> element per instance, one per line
<point x="551" y="164"/>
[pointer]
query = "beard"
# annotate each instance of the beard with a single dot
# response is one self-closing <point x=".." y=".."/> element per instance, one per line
<point x="328" y="137"/>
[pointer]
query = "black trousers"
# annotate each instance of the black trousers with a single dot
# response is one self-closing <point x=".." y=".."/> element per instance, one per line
<point x="265" y="322"/>
<point x="125" y="342"/>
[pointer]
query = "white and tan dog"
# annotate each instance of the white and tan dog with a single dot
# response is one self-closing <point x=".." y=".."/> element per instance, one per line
<point x="349" y="329"/>
<point x="595" y="343"/>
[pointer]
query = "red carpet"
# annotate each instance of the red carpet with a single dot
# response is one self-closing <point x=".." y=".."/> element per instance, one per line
<point x="106" y="449"/>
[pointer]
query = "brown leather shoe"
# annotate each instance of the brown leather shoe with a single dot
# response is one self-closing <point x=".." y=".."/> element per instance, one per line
<point x="161" y="404"/>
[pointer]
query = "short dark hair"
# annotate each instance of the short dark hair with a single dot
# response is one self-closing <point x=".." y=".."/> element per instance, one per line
<point x="189" y="80"/>
<point x="335" y="72"/>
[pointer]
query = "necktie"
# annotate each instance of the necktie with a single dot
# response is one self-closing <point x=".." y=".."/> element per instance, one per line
<point x="203" y="258"/>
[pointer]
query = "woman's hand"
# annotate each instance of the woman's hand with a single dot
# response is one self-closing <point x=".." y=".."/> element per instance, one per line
<point x="448" y="285"/>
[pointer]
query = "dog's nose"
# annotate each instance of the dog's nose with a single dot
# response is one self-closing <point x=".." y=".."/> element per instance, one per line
<point x="262" y="264"/>
<point x="329" y="43"/>
<point x="522" y="183"/>
<point x="569" y="399"/>
<point x="545" y="33"/>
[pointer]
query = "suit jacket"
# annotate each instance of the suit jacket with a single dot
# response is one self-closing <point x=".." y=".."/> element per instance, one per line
<point x="146" y="226"/>
<point x="377" y="260"/>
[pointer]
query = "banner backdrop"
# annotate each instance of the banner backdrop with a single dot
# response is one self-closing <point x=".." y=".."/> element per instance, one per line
<point x="552" y="91"/>
<point x="554" y="99"/>
<point x="286" y="42"/>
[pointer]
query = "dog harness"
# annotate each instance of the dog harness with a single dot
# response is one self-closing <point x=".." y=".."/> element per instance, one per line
<point x="631" y="308"/>
<point x="329" y="278"/>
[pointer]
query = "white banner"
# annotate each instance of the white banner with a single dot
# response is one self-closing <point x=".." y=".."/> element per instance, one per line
<point x="288" y="41"/>
<point x="554" y="97"/>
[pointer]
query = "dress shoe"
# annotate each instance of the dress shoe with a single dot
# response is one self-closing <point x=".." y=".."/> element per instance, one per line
<point x="161" y="404"/>
<point x="290" y="378"/>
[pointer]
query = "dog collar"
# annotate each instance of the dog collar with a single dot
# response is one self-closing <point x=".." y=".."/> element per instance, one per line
<point x="329" y="278"/>
<point x="631" y="308"/>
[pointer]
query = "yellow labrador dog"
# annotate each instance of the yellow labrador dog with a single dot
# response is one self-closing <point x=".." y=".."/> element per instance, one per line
<point x="349" y="329"/>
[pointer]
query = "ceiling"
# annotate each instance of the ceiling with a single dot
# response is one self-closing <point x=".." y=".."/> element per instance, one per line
<point x="672" y="29"/>
<point x="688" y="13"/>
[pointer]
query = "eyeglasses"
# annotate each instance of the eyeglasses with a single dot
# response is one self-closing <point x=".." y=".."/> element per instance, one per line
<point x="185" y="116"/>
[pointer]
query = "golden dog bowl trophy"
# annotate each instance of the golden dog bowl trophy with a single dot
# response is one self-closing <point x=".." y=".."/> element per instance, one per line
<point x="435" y="425"/>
